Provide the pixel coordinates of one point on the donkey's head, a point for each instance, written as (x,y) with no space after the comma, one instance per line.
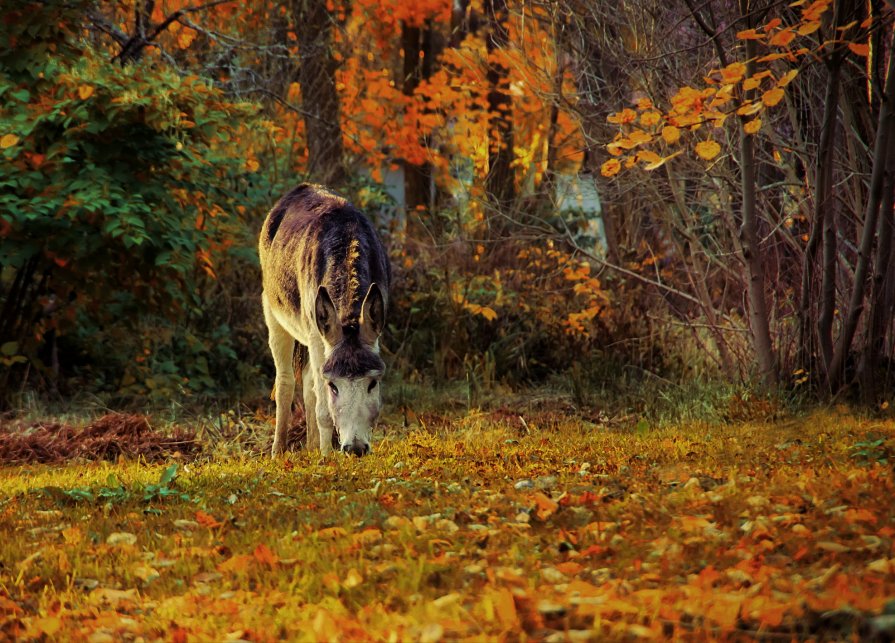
(352,368)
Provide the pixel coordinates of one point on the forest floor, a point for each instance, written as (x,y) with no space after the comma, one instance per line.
(482,526)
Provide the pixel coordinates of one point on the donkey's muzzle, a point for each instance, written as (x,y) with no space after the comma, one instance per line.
(357,448)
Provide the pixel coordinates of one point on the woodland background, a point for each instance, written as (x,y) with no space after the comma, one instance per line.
(743,153)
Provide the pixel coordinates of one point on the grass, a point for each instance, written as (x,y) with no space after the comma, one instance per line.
(466,526)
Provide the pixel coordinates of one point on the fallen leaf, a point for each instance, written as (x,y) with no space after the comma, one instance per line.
(121,538)
(545,506)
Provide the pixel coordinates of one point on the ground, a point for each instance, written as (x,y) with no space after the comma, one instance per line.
(482,526)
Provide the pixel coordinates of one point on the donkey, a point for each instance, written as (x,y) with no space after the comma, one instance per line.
(325,279)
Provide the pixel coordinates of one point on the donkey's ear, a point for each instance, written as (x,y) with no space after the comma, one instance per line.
(372,315)
(327,320)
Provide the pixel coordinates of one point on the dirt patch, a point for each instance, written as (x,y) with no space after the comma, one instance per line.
(107,438)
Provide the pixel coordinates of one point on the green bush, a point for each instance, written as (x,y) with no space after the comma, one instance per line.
(123,189)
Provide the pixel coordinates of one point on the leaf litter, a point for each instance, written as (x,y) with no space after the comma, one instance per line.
(699,532)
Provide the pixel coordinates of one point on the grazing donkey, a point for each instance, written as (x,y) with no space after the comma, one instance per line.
(326,279)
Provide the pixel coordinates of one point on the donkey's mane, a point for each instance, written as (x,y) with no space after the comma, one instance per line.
(352,358)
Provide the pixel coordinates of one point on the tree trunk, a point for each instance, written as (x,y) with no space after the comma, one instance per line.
(758,309)
(882,285)
(877,182)
(421,48)
(500,182)
(320,100)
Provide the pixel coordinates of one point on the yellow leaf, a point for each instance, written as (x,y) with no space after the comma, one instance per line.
(662,161)
(859,50)
(671,134)
(252,165)
(503,606)
(648,156)
(772,96)
(708,149)
(353,579)
(882,566)
(238,563)
(610,167)
(85,92)
(8,140)
(751,83)
(488,313)
(638,137)
(752,126)
(48,625)
(749,108)
(786,78)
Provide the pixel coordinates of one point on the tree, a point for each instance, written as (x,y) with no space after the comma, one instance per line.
(320,99)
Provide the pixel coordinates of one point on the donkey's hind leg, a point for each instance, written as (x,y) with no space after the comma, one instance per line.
(282,345)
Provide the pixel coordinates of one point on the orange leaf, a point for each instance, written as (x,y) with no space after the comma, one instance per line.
(368,536)
(85,92)
(546,506)
(773,57)
(752,126)
(625,116)
(860,515)
(186,38)
(207,520)
(859,49)
(331,533)
(671,134)
(782,38)
(751,83)
(733,73)
(8,140)
(569,568)
(750,34)
(773,24)
(725,609)
(708,149)
(610,167)
(772,96)
(809,27)
(651,117)
(648,156)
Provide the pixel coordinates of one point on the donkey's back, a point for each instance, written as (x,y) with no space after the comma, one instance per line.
(325,277)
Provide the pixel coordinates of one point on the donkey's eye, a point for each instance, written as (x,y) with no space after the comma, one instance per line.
(372,386)
(333,388)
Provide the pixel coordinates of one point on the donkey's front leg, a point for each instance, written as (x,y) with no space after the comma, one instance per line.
(282,345)
(325,425)
(312,437)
